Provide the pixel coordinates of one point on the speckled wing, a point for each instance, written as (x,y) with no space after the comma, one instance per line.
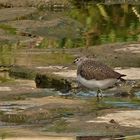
(90,69)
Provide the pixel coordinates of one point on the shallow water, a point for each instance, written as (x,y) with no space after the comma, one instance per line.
(11,85)
(99,23)
(9,108)
(36,99)
(86,25)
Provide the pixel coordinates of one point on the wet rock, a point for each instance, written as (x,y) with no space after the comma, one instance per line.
(137,85)
(88,138)
(48,80)
(112,121)
(98,137)
(63,80)
(42,78)
(123,94)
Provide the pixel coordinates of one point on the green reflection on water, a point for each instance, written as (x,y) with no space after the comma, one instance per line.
(108,23)
(77,27)
(102,24)
(85,25)
(34,57)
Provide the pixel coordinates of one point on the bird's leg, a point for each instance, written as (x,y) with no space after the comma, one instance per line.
(99,93)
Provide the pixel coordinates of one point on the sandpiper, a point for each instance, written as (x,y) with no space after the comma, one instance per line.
(96,75)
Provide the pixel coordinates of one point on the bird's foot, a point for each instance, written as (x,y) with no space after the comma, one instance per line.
(99,93)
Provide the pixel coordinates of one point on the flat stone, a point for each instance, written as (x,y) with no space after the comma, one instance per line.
(5,89)
(124,118)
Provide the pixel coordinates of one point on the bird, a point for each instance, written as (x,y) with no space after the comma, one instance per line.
(94,74)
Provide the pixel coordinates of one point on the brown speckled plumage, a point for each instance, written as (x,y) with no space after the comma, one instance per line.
(90,69)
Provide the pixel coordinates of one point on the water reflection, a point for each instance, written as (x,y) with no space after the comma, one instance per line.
(101,24)
(108,23)
(33,57)
(110,99)
(123,104)
(85,24)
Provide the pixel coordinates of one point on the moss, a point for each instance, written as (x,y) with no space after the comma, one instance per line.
(22,72)
(20,97)
(4,135)
(13,118)
(3,79)
(8,28)
(22,118)
(63,112)
(1,113)
(59,126)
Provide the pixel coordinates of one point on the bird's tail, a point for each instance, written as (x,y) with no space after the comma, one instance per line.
(122,80)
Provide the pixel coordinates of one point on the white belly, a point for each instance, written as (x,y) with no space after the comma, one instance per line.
(92,84)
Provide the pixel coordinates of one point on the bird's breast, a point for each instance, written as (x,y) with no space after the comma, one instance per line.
(93,83)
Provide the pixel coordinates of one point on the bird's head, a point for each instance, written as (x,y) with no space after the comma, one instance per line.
(79,60)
